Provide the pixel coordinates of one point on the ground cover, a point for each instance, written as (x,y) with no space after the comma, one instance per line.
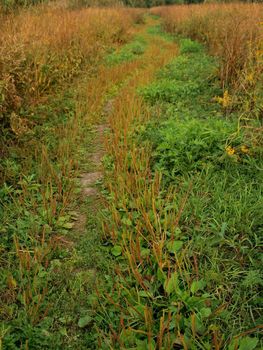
(168,255)
(47,133)
(185,194)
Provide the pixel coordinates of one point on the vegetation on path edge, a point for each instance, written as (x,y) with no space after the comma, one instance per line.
(185,198)
(176,262)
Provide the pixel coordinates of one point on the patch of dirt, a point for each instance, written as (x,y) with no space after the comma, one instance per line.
(101,128)
(90,191)
(108,107)
(80,223)
(97,156)
(88,179)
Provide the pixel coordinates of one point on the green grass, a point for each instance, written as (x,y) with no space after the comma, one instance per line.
(75,265)
(127,52)
(51,303)
(157,30)
(26,217)
(208,208)
(189,80)
(222,219)
(197,286)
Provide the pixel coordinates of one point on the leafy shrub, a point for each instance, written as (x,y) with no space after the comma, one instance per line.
(190,145)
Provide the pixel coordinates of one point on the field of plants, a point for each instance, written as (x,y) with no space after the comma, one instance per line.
(131,176)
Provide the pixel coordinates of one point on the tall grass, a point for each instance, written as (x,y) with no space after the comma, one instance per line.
(44,48)
(175,232)
(42,128)
(233,33)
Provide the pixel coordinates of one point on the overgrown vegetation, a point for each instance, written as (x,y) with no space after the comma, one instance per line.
(233,33)
(40,52)
(128,52)
(46,117)
(185,198)
(176,263)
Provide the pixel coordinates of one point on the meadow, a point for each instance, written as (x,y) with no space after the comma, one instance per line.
(163,109)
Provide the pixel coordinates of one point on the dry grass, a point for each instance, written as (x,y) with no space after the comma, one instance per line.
(44,47)
(132,182)
(41,51)
(139,223)
(231,31)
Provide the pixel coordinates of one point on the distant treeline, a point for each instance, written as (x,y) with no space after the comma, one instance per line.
(10,5)
(6,5)
(152,3)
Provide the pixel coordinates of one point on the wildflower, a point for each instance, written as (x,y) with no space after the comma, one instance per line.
(250,78)
(225,101)
(230,150)
(12,284)
(244,149)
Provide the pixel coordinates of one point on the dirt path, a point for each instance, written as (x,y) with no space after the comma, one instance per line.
(112,105)
(130,75)
(102,104)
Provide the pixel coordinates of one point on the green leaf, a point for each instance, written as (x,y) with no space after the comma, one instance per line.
(205,312)
(126,221)
(223,229)
(172,285)
(161,275)
(68,225)
(62,219)
(145,252)
(84,321)
(116,250)
(248,343)
(233,345)
(174,246)
(199,326)
(63,331)
(198,285)
(144,294)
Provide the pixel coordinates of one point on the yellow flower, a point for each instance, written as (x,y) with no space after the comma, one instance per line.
(244,149)
(12,284)
(230,150)
(225,101)
(250,77)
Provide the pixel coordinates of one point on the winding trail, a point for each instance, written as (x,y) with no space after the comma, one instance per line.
(127,76)
(112,103)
